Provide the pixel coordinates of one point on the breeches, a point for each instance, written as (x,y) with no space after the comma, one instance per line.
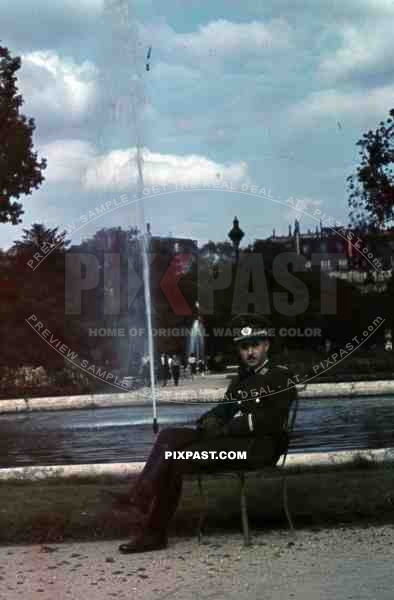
(166,473)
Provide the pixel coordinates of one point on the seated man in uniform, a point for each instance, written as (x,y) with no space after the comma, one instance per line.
(255,407)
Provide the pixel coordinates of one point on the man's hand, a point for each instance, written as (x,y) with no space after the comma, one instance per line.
(211,425)
(240,427)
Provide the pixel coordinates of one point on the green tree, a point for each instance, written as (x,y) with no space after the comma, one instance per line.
(25,292)
(20,170)
(371,188)
(39,236)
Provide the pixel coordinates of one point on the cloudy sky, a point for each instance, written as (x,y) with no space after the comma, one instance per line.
(272,94)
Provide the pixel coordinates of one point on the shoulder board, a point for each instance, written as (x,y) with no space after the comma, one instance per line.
(282,367)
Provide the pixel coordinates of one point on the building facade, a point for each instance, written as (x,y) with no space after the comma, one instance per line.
(350,254)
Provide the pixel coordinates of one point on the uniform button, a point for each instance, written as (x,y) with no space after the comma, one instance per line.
(239,402)
(257,400)
(238,392)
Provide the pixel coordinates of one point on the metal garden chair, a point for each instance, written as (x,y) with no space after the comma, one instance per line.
(241,472)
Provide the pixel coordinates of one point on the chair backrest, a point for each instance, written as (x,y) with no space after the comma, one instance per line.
(293,410)
(291,419)
(258,445)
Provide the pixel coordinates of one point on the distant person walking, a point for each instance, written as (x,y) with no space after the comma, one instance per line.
(192,365)
(145,370)
(175,369)
(164,369)
(185,364)
(169,362)
(201,367)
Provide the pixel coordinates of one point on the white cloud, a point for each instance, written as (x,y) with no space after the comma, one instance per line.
(57,87)
(355,106)
(329,11)
(68,160)
(117,170)
(41,24)
(223,38)
(217,39)
(365,51)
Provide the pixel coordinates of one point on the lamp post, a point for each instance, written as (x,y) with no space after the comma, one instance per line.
(236,234)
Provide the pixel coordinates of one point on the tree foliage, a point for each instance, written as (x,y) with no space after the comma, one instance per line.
(371,188)
(26,291)
(20,169)
(38,237)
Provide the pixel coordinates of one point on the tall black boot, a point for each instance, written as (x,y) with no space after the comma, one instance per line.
(146,542)
(166,502)
(155,533)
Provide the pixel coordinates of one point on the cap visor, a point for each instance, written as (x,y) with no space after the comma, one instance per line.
(245,338)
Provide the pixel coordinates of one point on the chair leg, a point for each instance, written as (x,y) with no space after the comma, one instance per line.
(286,505)
(203,508)
(244,511)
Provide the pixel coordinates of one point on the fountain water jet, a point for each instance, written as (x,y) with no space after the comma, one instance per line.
(136,104)
(196,342)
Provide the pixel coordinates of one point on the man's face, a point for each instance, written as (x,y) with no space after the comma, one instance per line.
(253,352)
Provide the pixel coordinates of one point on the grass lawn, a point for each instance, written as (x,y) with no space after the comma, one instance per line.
(59,510)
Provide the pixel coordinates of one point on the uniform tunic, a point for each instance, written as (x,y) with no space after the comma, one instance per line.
(256,405)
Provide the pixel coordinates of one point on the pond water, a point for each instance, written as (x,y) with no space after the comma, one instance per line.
(125,434)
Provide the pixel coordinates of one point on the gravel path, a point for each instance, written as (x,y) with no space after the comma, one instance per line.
(342,563)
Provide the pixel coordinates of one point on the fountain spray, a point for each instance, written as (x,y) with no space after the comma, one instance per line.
(137,97)
(145,243)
